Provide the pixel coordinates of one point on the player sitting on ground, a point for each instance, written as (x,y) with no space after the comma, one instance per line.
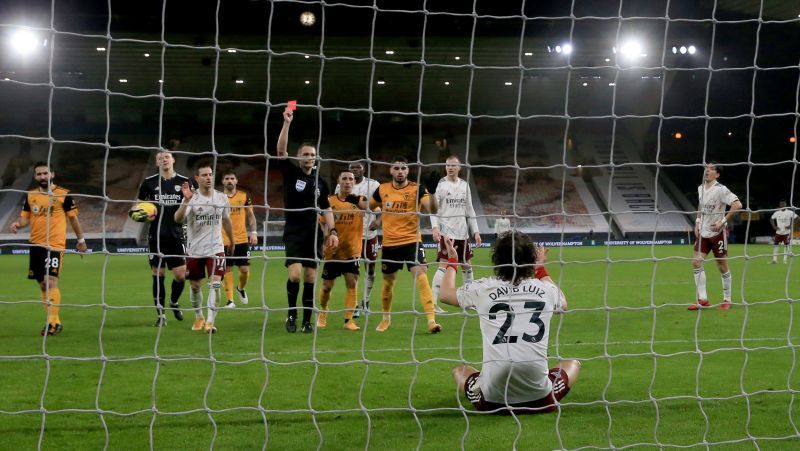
(241,209)
(207,214)
(348,212)
(515,310)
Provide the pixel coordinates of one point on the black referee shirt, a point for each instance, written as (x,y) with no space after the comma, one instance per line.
(301,190)
(167,195)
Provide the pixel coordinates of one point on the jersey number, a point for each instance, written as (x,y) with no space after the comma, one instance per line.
(51,262)
(536,306)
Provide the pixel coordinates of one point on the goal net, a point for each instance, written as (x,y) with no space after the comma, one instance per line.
(588,125)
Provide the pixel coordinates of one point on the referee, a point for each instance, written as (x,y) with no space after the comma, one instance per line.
(304,195)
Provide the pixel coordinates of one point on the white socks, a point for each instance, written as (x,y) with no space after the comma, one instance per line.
(700,282)
(437,284)
(196,297)
(726,286)
(213,294)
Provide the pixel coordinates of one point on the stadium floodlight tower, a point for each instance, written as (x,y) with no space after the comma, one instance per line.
(24,42)
(632,49)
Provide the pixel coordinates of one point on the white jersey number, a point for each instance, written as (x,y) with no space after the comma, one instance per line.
(502,338)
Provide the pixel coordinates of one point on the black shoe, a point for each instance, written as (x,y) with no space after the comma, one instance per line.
(307,328)
(356,313)
(176,310)
(52,329)
(291,325)
(161,321)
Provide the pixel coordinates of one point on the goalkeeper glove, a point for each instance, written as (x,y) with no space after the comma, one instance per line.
(138,215)
(432,182)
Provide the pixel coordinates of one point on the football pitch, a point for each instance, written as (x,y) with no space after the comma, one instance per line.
(653,372)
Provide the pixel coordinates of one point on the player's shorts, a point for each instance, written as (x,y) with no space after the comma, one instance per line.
(394,257)
(783,239)
(303,248)
(463,249)
(197,267)
(369,252)
(332,270)
(240,257)
(41,262)
(557,376)
(174,253)
(717,244)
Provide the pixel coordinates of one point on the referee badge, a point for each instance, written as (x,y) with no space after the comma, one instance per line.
(300,185)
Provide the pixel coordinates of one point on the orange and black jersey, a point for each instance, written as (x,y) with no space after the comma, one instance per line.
(48,216)
(241,205)
(349,223)
(399,210)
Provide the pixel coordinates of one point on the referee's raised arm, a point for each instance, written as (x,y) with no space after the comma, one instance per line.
(283,138)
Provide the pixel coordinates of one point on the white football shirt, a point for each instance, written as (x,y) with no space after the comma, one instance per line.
(366,188)
(515,322)
(456,215)
(783,219)
(204,224)
(712,206)
(501,225)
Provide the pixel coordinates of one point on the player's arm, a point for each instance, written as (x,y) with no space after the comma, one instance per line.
(24,217)
(472,220)
(76,227)
(448,292)
(429,202)
(735,206)
(773,222)
(435,231)
(697,221)
(227,229)
(283,137)
(330,229)
(251,221)
(184,208)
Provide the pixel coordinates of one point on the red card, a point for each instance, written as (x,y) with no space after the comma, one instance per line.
(292,104)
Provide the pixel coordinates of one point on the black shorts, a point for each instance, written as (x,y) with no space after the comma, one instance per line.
(173,250)
(42,262)
(394,257)
(240,257)
(303,248)
(332,270)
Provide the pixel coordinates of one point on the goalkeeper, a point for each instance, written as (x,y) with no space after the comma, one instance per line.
(165,236)
(515,309)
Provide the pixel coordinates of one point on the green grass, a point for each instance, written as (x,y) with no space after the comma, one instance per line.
(652,371)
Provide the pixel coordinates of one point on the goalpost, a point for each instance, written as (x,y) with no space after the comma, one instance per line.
(591,124)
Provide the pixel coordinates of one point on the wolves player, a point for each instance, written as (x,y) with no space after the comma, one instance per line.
(207,214)
(455,220)
(242,218)
(165,236)
(710,234)
(365,186)
(782,221)
(515,309)
(47,209)
(400,201)
(348,211)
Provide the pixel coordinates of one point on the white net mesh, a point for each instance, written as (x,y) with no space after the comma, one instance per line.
(589,122)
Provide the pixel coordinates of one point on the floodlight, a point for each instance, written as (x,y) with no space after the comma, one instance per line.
(558,49)
(683,50)
(692,49)
(508,83)
(631,49)
(674,49)
(24,42)
(567,48)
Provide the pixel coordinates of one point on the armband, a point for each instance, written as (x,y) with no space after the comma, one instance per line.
(541,272)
